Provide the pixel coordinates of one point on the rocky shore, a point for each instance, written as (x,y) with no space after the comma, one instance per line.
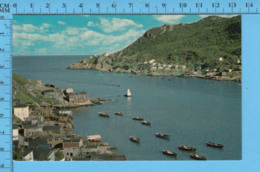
(157,70)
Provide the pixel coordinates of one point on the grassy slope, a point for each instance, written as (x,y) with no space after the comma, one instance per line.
(201,42)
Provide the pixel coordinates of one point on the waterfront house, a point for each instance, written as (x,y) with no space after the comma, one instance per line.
(94,138)
(65,113)
(80,97)
(223,73)
(53,94)
(22,112)
(69,90)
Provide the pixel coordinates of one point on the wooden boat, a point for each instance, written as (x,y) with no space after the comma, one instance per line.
(134,139)
(103,114)
(161,135)
(167,152)
(196,156)
(214,145)
(138,118)
(118,113)
(145,122)
(184,147)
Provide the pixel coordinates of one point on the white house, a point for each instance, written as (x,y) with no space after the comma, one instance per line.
(15,132)
(21,112)
(152,61)
(220,59)
(69,90)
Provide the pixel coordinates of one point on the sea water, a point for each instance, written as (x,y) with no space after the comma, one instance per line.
(191,110)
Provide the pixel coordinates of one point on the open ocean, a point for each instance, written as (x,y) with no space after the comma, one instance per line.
(191,110)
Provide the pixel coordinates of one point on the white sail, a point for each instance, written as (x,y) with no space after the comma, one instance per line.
(128,93)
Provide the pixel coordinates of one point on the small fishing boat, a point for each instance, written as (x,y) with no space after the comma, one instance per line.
(118,113)
(134,139)
(145,122)
(214,145)
(103,114)
(167,152)
(138,118)
(161,135)
(128,93)
(184,147)
(196,156)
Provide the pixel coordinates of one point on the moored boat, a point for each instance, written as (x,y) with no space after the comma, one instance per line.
(161,135)
(134,139)
(128,93)
(145,122)
(184,147)
(118,113)
(103,114)
(196,156)
(214,145)
(138,118)
(167,152)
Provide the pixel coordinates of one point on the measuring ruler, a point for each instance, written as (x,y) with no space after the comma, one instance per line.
(79,7)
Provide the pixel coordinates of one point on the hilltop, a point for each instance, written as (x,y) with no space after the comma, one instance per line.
(208,48)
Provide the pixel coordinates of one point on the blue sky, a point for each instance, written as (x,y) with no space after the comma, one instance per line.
(84,34)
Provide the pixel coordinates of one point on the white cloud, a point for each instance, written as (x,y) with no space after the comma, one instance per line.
(117,24)
(91,24)
(61,22)
(46,25)
(31,28)
(226,16)
(170,19)
(71,39)
(25,28)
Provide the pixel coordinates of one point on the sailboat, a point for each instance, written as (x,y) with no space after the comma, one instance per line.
(128,93)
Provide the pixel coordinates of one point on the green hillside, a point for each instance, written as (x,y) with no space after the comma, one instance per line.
(196,45)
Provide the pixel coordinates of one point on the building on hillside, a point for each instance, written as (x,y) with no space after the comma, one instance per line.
(28,155)
(80,97)
(40,142)
(69,90)
(220,59)
(71,153)
(32,131)
(53,94)
(72,143)
(15,132)
(55,141)
(151,61)
(43,154)
(52,129)
(22,112)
